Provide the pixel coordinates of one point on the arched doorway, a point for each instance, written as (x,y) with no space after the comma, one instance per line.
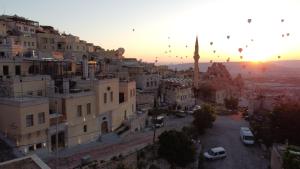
(104,127)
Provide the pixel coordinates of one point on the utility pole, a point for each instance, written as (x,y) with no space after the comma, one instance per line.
(155,118)
(56,137)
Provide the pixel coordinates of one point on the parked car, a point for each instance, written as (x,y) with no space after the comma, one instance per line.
(190,112)
(158,121)
(246,135)
(180,114)
(197,107)
(215,153)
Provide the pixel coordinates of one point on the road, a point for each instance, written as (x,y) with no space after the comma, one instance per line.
(127,144)
(225,133)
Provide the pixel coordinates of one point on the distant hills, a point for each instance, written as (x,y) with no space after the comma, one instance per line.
(271,68)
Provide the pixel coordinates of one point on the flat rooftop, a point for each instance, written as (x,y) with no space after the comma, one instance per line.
(30,162)
(23,101)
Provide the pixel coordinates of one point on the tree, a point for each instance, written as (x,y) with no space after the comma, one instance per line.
(261,126)
(153,166)
(190,132)
(176,148)
(204,118)
(285,122)
(291,158)
(231,103)
(121,166)
(205,91)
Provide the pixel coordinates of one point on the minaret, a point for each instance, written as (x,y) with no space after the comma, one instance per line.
(196,65)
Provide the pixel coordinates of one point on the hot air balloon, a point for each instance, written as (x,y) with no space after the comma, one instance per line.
(214,51)
(133,30)
(228,37)
(228,59)
(169,46)
(176,56)
(252,40)
(246,46)
(282,35)
(249,20)
(240,50)
(282,20)
(168,37)
(186,46)
(218,56)
(170,51)
(287,34)
(211,43)
(210,61)
(241,57)
(185,56)
(278,57)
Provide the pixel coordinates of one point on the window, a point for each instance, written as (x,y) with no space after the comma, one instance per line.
(121,97)
(30,93)
(32,43)
(111,96)
(39,92)
(41,117)
(88,108)
(38,146)
(105,98)
(24,43)
(29,120)
(5,70)
(84,128)
(18,70)
(31,148)
(79,110)
(147,84)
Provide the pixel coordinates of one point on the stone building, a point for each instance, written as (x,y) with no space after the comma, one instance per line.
(216,84)
(177,93)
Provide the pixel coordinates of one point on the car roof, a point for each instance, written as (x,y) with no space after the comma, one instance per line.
(217,149)
(246,131)
(245,128)
(160,117)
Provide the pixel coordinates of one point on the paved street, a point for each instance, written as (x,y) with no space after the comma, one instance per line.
(225,133)
(128,144)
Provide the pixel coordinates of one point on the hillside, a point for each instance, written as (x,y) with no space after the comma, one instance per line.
(273,68)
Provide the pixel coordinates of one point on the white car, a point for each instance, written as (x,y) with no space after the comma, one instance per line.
(215,153)
(197,107)
(190,111)
(246,136)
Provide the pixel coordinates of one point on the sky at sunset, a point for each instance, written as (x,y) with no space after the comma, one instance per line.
(166,29)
